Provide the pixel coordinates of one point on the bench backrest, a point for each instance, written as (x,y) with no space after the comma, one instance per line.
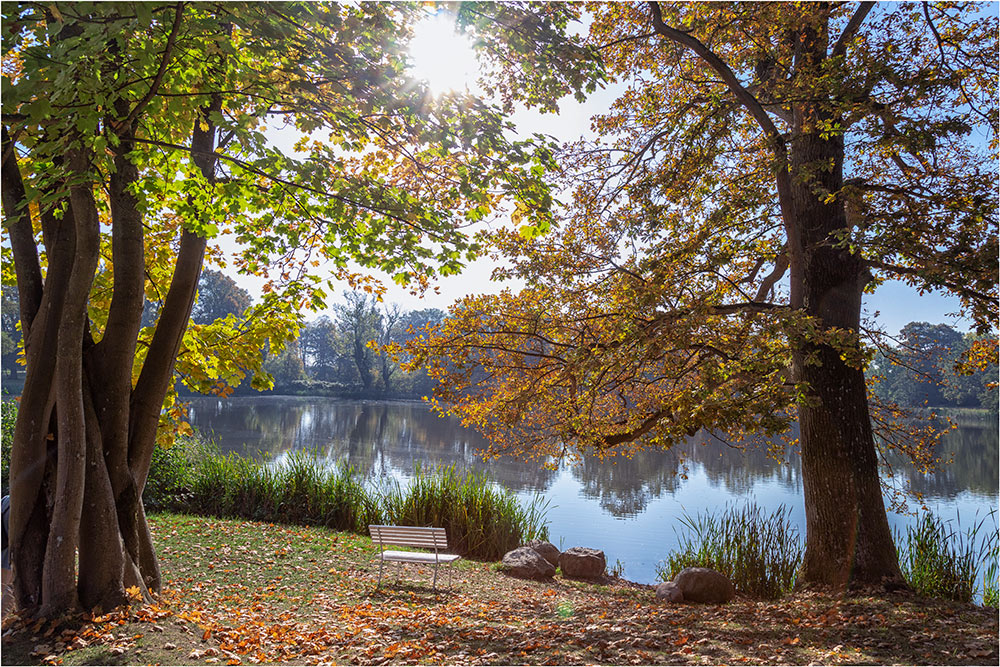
(410,536)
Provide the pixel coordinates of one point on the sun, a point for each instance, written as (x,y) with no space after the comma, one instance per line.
(441,56)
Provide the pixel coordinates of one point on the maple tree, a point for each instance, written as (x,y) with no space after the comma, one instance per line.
(135,136)
(765,165)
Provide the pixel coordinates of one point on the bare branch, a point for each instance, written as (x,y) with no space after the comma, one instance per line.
(955,287)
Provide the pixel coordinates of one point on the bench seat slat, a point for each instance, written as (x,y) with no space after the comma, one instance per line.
(418,557)
(423,537)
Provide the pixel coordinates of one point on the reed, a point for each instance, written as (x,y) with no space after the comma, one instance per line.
(483,520)
(942,561)
(759,552)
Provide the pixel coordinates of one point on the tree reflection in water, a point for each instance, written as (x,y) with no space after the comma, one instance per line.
(389,439)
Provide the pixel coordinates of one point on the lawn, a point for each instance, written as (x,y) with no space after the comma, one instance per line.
(239,592)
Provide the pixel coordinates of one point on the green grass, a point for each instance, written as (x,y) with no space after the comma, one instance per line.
(759,552)
(940,561)
(480,516)
(483,520)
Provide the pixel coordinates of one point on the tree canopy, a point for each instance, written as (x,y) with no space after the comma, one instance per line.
(766,164)
(135,136)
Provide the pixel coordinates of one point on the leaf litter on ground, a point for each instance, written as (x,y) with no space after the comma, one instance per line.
(239,592)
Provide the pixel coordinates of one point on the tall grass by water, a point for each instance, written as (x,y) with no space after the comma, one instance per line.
(483,520)
(480,517)
(942,561)
(759,552)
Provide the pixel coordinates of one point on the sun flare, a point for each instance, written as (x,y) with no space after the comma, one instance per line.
(442,57)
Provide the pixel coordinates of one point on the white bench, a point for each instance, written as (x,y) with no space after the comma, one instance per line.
(413,536)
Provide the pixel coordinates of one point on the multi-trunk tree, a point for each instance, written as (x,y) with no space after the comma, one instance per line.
(136,133)
(765,166)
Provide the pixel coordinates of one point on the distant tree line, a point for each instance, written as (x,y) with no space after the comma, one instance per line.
(341,355)
(337,356)
(919,370)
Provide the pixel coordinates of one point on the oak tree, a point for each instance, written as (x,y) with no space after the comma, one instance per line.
(764,166)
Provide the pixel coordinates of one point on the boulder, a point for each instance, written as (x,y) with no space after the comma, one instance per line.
(582,563)
(547,550)
(668,591)
(526,563)
(701,584)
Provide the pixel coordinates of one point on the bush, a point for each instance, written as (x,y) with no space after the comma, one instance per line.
(171,472)
(7,418)
(759,553)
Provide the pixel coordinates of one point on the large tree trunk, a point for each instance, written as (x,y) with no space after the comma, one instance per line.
(848,540)
(84,437)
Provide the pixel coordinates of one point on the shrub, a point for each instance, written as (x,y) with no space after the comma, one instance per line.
(8,417)
(171,472)
(760,553)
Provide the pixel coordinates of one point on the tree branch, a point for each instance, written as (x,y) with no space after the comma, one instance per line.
(775,139)
(851,29)
(155,85)
(955,287)
(780,266)
(749,102)
(22,237)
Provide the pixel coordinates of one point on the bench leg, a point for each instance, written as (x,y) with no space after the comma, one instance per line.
(435,585)
(381,564)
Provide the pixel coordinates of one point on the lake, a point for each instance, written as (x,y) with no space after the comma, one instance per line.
(630,508)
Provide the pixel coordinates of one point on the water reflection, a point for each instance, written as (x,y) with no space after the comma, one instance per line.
(627,506)
(392,438)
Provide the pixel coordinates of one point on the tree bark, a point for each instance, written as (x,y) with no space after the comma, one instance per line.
(33,456)
(848,541)
(22,241)
(59,590)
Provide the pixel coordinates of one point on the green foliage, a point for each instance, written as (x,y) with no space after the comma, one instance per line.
(218,296)
(942,562)
(480,517)
(760,553)
(7,419)
(171,471)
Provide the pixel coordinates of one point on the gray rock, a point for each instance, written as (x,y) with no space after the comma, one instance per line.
(582,563)
(669,592)
(526,563)
(547,550)
(700,584)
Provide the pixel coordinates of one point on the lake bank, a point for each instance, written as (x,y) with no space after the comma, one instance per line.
(243,592)
(628,507)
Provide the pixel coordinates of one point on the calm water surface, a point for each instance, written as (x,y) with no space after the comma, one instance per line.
(627,507)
